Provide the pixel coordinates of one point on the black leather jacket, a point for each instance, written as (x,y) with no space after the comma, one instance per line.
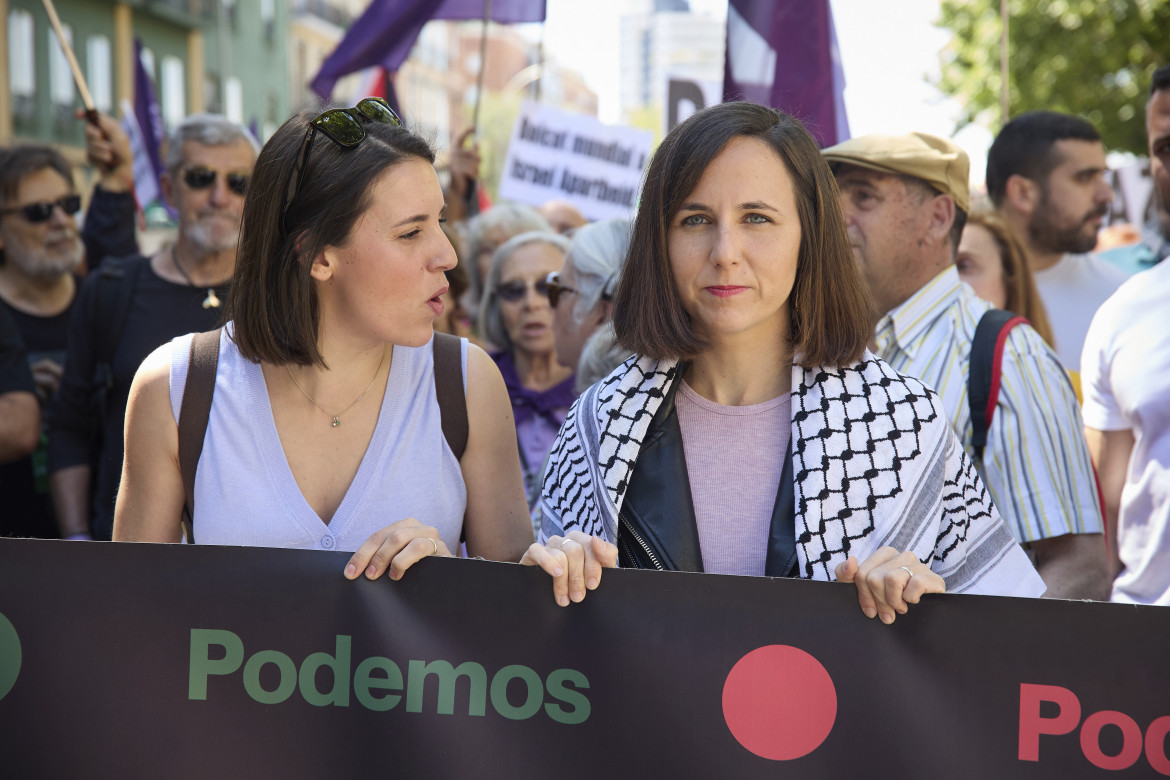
(656,524)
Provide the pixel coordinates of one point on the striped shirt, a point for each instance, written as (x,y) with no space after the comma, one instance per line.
(1036,463)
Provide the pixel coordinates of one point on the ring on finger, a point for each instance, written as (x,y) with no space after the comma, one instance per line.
(434,543)
(907,570)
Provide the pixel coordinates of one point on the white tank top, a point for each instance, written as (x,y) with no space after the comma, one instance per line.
(245,492)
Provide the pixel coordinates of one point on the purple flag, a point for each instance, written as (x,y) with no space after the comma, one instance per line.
(144,126)
(783,53)
(386,32)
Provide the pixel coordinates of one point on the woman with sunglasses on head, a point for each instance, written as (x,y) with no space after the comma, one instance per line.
(325,428)
(752,433)
(515,314)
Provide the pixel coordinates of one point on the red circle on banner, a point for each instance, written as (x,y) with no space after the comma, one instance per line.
(779,702)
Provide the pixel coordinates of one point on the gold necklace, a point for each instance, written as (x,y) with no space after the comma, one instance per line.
(212,300)
(336,422)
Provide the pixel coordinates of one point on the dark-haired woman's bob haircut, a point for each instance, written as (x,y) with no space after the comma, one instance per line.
(273,301)
(829,307)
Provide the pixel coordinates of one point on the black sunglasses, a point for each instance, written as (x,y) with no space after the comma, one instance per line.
(342,126)
(43,212)
(555,288)
(200,178)
(516,290)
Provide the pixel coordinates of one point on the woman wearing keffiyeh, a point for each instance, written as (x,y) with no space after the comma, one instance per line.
(752,432)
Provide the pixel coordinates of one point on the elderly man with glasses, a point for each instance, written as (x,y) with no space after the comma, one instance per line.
(131,305)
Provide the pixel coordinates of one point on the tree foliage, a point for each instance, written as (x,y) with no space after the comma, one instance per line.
(1093,58)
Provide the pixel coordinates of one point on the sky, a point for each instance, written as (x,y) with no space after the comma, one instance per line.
(887,58)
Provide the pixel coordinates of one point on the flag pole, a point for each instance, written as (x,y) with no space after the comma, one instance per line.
(487,13)
(90,110)
(1003,62)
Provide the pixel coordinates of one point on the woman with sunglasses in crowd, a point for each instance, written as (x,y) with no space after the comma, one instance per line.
(516,315)
(325,429)
(752,433)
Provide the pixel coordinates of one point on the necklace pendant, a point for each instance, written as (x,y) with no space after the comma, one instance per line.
(211,301)
(336,422)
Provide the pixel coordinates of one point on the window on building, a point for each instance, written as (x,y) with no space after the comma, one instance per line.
(22,64)
(60,79)
(234,100)
(98,72)
(174,97)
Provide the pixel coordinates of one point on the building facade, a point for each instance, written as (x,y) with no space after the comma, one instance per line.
(227,56)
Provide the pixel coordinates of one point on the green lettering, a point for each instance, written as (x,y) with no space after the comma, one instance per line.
(577,700)
(283,689)
(338,664)
(201,665)
(476,678)
(532,701)
(363,681)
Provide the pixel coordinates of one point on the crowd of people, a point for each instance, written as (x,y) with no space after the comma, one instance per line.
(790,362)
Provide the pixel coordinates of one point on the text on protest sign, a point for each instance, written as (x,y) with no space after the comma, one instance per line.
(554,155)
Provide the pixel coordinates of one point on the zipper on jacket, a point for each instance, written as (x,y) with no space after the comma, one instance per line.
(641,542)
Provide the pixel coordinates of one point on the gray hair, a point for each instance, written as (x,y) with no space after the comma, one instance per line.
(512,218)
(598,253)
(206,129)
(599,357)
(491,321)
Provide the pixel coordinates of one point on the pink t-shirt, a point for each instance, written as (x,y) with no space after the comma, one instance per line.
(735,455)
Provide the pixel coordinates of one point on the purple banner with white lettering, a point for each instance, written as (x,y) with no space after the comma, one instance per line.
(784,54)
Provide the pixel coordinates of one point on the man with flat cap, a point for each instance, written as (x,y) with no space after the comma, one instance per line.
(905,200)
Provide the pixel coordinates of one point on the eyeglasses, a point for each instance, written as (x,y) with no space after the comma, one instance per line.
(43,212)
(342,126)
(516,290)
(556,289)
(200,178)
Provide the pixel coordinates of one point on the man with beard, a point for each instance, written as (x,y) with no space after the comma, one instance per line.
(905,200)
(1126,369)
(40,251)
(1046,175)
(132,305)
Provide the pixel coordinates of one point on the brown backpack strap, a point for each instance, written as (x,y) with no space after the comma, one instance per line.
(449,389)
(193,415)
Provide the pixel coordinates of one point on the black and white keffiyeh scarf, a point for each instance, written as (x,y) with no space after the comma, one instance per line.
(874,461)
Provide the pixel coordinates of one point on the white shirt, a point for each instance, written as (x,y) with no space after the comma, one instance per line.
(1072,291)
(1126,380)
(1036,463)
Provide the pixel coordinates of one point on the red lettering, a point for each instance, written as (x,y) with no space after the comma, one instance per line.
(1032,725)
(1156,745)
(1131,740)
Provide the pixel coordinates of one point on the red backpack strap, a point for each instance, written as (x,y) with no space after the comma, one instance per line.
(194,413)
(985,370)
(449,390)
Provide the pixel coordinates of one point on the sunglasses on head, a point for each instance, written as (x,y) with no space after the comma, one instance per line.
(344,127)
(43,212)
(200,178)
(516,290)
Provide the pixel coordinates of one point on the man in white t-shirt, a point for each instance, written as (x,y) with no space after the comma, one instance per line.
(1045,174)
(1126,372)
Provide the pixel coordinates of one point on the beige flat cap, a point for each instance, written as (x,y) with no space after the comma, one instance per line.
(936,161)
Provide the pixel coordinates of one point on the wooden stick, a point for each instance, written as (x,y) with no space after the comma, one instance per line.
(79,79)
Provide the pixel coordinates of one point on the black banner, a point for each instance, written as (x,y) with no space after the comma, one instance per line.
(123,660)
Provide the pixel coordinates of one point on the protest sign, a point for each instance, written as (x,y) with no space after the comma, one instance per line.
(555,155)
(685,96)
(139,660)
